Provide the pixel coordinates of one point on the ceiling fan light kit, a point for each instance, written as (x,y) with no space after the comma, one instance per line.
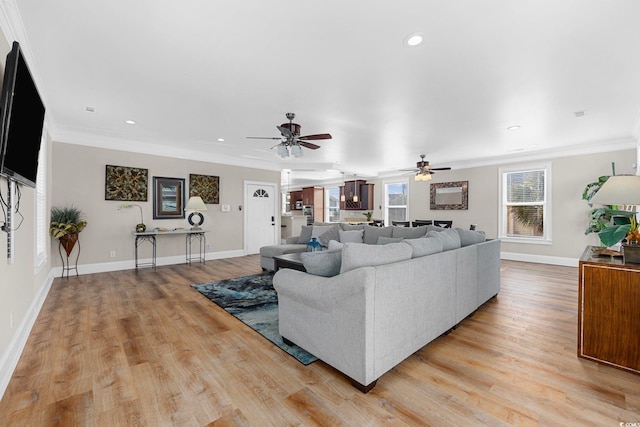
(423,170)
(291,142)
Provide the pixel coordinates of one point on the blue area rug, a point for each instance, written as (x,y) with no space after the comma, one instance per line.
(253,300)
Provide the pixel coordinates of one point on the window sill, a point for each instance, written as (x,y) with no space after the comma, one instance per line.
(526,240)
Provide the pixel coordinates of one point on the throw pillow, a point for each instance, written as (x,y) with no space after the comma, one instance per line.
(470,237)
(386,240)
(305,234)
(352,236)
(372,233)
(450,238)
(318,230)
(326,263)
(409,232)
(334,245)
(330,234)
(425,246)
(355,255)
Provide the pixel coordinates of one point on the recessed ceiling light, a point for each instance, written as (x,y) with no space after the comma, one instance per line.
(579,113)
(413,40)
(130,122)
(90,109)
(220,139)
(513,127)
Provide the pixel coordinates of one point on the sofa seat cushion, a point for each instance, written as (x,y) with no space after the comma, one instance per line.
(275,250)
(450,238)
(356,255)
(409,232)
(325,263)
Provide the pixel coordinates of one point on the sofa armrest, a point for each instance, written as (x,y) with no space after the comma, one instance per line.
(323,293)
(292,239)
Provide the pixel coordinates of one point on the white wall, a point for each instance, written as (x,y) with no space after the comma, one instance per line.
(570,175)
(79,180)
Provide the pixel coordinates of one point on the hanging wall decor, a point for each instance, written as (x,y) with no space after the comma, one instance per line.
(450,195)
(206,187)
(125,183)
(168,198)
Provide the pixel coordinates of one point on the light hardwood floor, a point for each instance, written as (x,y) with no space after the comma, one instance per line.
(144,348)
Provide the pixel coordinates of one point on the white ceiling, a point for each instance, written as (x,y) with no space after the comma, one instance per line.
(193,71)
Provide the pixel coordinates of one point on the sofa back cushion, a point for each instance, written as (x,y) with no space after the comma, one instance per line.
(349,227)
(425,246)
(386,240)
(372,233)
(355,255)
(352,236)
(470,237)
(450,238)
(324,263)
(409,232)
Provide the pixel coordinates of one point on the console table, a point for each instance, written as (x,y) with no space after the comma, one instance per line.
(609,311)
(190,237)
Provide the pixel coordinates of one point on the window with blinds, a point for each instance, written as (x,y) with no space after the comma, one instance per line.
(396,202)
(524,204)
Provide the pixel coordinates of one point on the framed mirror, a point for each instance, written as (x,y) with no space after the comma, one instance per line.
(450,195)
(168,198)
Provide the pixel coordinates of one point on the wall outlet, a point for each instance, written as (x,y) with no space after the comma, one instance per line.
(208,246)
(112,254)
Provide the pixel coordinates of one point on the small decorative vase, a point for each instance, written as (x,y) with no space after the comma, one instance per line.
(314,245)
(140,228)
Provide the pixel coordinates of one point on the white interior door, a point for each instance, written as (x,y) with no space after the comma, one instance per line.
(261,220)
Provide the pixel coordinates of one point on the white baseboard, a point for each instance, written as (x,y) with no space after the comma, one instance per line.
(540,259)
(130,264)
(11,356)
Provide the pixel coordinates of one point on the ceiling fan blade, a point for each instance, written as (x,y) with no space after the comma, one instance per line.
(261,137)
(440,169)
(309,145)
(285,131)
(315,137)
(409,170)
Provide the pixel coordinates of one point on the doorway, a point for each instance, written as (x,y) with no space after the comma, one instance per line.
(261,219)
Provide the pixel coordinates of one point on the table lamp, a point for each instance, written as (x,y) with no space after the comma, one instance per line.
(195,205)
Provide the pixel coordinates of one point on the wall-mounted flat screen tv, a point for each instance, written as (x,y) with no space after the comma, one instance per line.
(22,121)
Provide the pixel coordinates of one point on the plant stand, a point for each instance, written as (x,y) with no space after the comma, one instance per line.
(68,242)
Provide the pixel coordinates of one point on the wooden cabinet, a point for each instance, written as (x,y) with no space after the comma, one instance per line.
(609,311)
(364,193)
(295,196)
(314,196)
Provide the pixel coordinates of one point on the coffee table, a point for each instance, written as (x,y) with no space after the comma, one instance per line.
(291,261)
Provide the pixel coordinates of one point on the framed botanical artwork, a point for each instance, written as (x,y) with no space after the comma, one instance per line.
(450,195)
(125,183)
(205,186)
(168,198)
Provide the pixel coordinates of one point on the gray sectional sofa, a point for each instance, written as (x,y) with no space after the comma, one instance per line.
(387,301)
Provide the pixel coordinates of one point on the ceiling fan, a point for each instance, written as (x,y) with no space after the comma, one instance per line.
(291,141)
(423,170)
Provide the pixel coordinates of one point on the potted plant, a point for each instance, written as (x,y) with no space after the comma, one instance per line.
(65,225)
(368,215)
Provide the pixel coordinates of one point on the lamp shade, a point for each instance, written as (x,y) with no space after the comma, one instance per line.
(195,204)
(619,190)
(422,177)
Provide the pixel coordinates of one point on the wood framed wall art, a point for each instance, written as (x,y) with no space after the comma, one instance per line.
(450,195)
(168,198)
(126,183)
(205,186)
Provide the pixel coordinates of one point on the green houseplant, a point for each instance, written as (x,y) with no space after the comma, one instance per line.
(66,223)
